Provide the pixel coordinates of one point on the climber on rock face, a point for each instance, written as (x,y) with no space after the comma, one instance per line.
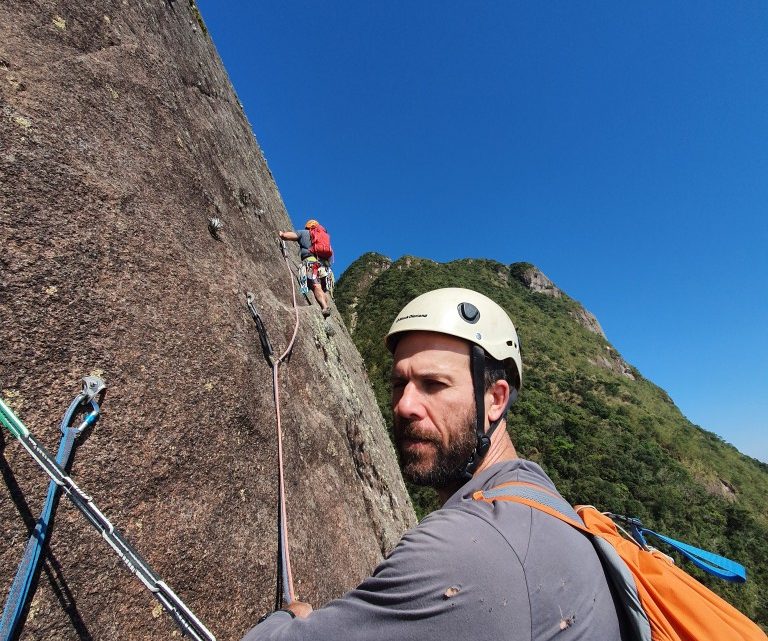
(473,569)
(315,252)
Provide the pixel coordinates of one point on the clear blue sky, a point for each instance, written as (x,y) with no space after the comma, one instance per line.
(620,147)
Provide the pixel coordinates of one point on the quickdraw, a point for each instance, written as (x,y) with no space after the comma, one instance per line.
(24,583)
(188,623)
(303,284)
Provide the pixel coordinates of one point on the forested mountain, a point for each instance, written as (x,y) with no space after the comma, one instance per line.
(605,434)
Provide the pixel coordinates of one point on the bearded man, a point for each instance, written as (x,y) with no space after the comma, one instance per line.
(474,569)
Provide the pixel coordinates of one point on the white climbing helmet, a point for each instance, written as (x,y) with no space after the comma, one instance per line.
(465,314)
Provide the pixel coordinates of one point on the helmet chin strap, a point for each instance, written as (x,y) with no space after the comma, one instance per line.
(477,365)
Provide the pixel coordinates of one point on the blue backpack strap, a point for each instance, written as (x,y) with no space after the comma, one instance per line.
(710,562)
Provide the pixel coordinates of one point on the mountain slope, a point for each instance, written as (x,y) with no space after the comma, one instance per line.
(606,435)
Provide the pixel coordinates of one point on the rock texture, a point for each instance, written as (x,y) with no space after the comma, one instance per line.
(120,136)
(535,280)
(613,362)
(588,320)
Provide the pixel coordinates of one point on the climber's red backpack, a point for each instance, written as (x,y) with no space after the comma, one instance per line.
(321,242)
(661,601)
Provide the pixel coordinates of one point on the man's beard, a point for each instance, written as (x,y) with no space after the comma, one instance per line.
(442,466)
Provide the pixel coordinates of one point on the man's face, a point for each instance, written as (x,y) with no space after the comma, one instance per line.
(433,407)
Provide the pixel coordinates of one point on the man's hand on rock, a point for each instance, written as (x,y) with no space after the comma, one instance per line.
(300,609)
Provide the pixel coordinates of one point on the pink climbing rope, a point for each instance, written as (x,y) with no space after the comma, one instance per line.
(288,589)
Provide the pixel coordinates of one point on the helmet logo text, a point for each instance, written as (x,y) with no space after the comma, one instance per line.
(411,316)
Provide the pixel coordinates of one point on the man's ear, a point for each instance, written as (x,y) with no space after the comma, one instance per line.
(497,396)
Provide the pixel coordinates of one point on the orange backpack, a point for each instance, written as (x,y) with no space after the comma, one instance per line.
(661,601)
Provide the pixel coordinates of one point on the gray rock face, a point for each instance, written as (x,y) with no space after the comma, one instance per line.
(589,320)
(613,362)
(120,137)
(536,281)
(376,266)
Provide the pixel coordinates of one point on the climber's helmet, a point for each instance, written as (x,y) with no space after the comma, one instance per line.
(475,318)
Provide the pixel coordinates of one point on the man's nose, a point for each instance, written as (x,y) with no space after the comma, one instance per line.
(409,404)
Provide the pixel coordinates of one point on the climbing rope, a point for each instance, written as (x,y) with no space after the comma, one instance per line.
(284,593)
(23,586)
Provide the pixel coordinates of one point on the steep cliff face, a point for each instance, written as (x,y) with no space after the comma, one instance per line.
(121,136)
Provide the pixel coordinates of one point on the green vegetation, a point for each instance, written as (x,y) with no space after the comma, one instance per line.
(608,438)
(198,17)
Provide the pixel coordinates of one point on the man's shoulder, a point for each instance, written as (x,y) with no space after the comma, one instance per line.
(471,534)
(480,532)
(452,545)
(518,469)
(552,553)
(522,528)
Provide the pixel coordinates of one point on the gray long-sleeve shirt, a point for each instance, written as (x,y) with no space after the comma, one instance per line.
(305,243)
(472,571)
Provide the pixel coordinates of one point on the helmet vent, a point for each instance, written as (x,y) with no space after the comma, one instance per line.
(469,312)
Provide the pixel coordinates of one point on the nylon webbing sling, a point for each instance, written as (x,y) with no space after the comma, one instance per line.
(714,564)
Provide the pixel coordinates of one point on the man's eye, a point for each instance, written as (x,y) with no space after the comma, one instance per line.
(432,384)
